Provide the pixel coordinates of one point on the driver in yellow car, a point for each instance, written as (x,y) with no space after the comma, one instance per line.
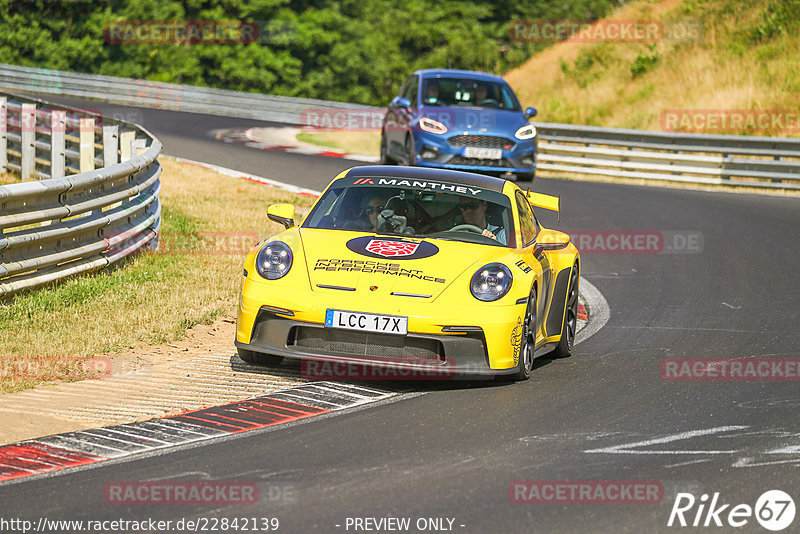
(474,212)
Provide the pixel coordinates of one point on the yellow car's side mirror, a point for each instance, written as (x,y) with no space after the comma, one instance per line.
(282,214)
(550,240)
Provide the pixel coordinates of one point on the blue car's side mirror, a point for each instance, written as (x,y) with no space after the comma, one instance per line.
(403,102)
(530,112)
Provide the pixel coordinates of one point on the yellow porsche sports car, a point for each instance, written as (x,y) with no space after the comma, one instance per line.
(413,268)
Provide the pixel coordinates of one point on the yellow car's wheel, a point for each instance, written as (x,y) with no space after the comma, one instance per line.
(570,325)
(259,358)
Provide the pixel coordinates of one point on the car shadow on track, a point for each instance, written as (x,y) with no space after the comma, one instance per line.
(294,369)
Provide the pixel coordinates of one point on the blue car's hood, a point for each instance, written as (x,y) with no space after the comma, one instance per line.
(485,121)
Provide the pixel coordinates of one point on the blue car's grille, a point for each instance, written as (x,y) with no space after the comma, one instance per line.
(483,141)
(478,162)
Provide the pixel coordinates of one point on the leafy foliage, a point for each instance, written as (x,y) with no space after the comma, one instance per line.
(644,62)
(349,50)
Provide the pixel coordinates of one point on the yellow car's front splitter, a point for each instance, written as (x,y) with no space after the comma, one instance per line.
(465,338)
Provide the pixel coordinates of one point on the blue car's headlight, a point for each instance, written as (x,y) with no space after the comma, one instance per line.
(491,282)
(526,132)
(432,126)
(274,260)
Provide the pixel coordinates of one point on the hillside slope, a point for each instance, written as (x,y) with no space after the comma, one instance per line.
(745,59)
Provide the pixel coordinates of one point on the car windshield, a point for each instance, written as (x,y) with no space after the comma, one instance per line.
(449,212)
(468,92)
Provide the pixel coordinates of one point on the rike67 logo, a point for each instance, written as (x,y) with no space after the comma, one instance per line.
(774,510)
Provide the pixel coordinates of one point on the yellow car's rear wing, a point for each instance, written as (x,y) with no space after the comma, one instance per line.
(540,200)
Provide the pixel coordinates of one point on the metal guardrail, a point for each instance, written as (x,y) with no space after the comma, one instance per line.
(738,160)
(765,162)
(75,218)
(162,95)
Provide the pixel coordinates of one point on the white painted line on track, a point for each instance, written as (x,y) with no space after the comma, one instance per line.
(626,448)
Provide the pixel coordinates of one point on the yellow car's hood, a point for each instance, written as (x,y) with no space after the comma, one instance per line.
(382,265)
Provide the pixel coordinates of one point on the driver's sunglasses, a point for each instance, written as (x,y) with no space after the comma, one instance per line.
(469,205)
(369,210)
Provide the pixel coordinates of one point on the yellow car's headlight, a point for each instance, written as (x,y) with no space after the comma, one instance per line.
(526,132)
(274,260)
(491,282)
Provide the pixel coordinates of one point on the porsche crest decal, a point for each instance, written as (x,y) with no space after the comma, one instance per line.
(394,248)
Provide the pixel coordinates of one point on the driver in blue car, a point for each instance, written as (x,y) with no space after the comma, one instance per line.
(432,92)
(474,212)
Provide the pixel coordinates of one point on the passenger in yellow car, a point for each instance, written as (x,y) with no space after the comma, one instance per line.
(374,206)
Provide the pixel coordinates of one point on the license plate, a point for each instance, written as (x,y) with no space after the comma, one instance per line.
(482,153)
(367,322)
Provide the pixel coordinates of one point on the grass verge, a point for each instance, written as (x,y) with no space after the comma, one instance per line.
(8,178)
(361,143)
(208,223)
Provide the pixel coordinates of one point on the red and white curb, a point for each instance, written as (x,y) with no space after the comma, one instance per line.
(250,177)
(71,449)
(283,139)
(84,447)
(593,306)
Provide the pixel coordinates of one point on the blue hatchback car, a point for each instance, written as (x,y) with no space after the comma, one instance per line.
(459,119)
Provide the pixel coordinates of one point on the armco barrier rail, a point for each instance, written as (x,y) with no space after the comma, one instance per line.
(765,162)
(75,218)
(162,95)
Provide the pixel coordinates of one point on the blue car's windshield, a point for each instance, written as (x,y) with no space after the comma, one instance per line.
(468,92)
(469,215)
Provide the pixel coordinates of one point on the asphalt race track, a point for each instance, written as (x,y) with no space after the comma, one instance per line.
(606,414)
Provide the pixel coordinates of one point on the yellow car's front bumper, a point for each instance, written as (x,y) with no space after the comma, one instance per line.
(471,338)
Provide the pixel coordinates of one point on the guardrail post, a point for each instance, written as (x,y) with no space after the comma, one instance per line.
(110,144)
(58,128)
(777,180)
(28,140)
(126,145)
(138,146)
(725,159)
(87,144)
(3,135)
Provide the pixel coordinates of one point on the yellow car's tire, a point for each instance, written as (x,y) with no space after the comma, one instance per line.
(570,324)
(259,358)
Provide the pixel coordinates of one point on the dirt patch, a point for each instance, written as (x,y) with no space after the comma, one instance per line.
(200,370)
